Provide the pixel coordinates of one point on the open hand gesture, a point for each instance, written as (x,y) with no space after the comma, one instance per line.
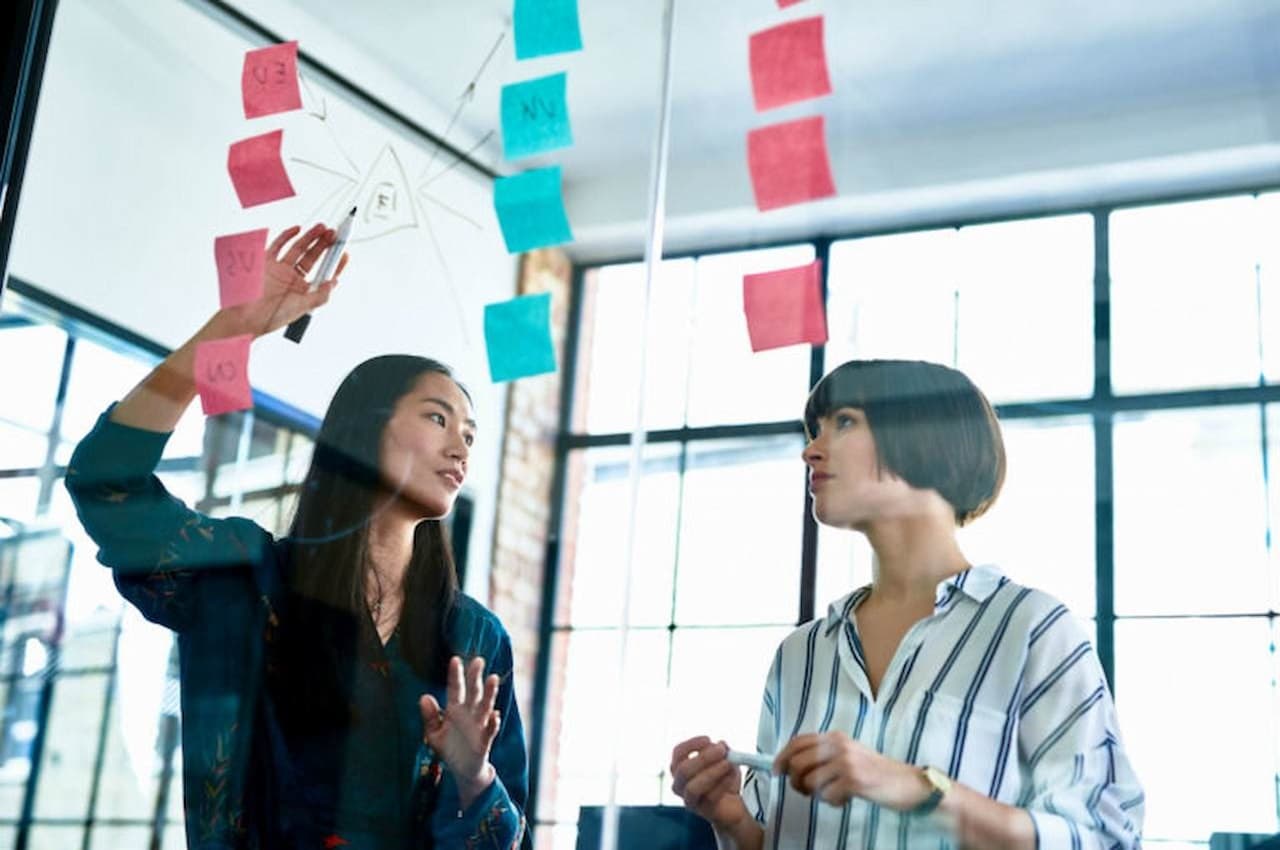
(464,730)
(286,294)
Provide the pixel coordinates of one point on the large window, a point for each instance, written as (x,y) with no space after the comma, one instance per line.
(89,736)
(1131,354)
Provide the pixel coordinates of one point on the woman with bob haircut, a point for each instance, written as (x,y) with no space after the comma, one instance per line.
(942,704)
(338,690)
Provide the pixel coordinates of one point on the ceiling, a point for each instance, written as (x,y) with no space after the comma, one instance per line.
(940,108)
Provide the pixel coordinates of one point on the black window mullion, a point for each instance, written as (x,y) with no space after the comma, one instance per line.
(1104,460)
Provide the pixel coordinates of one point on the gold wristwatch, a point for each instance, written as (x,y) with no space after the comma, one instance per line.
(941,784)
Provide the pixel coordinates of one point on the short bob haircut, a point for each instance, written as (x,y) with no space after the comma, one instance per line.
(932,427)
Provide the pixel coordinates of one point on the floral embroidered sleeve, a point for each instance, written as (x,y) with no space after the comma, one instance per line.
(495,820)
(154,543)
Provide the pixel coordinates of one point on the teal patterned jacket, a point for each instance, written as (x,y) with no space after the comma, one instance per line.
(217,584)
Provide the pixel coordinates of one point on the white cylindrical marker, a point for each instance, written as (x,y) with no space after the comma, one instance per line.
(758,761)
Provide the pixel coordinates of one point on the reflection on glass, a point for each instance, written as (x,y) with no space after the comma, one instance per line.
(610,347)
(596,520)
(1010,304)
(1184,301)
(1190,515)
(1197,703)
(728,383)
(98,377)
(1040,531)
(740,530)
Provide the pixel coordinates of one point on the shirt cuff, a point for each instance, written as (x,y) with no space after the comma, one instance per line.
(490,820)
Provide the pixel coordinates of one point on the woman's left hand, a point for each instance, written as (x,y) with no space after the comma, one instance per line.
(464,730)
(835,768)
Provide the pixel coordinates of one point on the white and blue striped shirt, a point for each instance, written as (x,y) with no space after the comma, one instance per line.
(1000,689)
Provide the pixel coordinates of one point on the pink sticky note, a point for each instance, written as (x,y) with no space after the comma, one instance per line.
(241,263)
(788,163)
(785,307)
(222,375)
(257,171)
(782,4)
(789,64)
(269,82)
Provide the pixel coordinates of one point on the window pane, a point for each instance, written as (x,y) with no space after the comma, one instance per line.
(70,747)
(1190,512)
(1269,282)
(597,514)
(740,529)
(611,343)
(1027,287)
(893,297)
(1273,500)
(844,565)
(30,392)
(585,718)
(56,837)
(1184,301)
(119,837)
(728,383)
(21,448)
(968,298)
(717,684)
(99,376)
(555,837)
(1209,686)
(1040,531)
(18,498)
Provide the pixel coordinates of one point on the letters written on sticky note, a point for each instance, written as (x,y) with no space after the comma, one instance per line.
(789,64)
(222,375)
(241,264)
(531,210)
(256,169)
(517,335)
(535,117)
(545,27)
(785,307)
(269,82)
(788,163)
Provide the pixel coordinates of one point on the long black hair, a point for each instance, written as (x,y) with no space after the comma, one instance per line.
(328,541)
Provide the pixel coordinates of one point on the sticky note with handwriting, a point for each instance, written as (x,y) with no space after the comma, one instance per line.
(241,260)
(269,81)
(535,117)
(222,375)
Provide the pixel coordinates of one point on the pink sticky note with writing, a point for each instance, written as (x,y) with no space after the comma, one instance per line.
(269,82)
(785,307)
(788,163)
(241,259)
(257,171)
(222,375)
(789,64)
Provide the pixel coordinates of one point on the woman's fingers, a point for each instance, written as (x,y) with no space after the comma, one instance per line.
(273,250)
(490,697)
(455,684)
(308,259)
(302,243)
(432,716)
(707,780)
(475,690)
(681,752)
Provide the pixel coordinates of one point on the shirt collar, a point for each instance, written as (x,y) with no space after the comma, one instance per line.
(978,583)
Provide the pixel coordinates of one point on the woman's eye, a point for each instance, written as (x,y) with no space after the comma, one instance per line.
(469,439)
(436,418)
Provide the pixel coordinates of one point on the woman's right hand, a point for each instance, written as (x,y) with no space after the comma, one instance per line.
(285,292)
(708,783)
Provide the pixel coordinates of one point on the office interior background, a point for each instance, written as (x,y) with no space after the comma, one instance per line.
(1078,204)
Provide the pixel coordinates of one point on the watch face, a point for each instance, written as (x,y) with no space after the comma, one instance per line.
(938,779)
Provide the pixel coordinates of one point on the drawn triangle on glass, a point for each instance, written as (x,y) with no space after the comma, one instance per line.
(384,200)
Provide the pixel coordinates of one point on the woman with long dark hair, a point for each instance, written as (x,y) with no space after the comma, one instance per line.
(338,691)
(943,704)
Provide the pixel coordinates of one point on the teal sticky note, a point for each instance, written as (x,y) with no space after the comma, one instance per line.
(517,335)
(544,27)
(531,210)
(535,117)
